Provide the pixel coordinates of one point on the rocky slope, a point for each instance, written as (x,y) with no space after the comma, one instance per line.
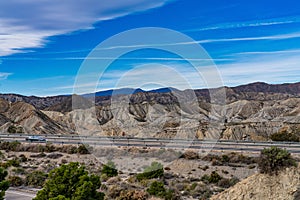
(284,186)
(23,117)
(253,111)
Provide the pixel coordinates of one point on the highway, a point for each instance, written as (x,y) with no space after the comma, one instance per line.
(219,145)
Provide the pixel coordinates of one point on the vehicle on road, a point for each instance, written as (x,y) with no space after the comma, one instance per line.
(36,139)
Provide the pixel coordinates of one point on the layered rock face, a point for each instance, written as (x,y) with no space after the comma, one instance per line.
(249,112)
(20,117)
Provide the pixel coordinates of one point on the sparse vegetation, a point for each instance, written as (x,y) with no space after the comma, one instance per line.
(29,168)
(83,149)
(14,129)
(109,169)
(15,181)
(158,189)
(43,148)
(156,170)
(274,159)
(229,159)
(132,195)
(214,177)
(227,183)
(36,179)
(285,136)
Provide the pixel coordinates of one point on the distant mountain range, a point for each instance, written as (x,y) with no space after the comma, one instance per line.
(252,111)
(248,91)
(127,91)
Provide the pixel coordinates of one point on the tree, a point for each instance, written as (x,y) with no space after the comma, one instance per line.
(4,184)
(70,182)
(274,159)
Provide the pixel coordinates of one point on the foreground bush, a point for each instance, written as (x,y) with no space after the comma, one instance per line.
(156,170)
(4,185)
(70,182)
(274,159)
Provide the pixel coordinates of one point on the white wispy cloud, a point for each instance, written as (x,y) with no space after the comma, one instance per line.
(28,24)
(14,43)
(238,39)
(267,68)
(205,41)
(257,23)
(4,75)
(281,52)
(146,76)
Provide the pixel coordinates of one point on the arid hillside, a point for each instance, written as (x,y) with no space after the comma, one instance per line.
(248,112)
(284,186)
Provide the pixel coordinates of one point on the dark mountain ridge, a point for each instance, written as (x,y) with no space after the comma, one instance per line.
(252,91)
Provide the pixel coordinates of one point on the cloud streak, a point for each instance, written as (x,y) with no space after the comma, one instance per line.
(257,23)
(4,75)
(15,43)
(28,24)
(267,68)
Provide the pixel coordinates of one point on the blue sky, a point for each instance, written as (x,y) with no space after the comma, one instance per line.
(43,43)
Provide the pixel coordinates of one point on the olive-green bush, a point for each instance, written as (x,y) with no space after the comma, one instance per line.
(274,159)
(155,170)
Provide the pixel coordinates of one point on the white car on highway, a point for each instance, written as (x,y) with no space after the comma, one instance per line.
(36,139)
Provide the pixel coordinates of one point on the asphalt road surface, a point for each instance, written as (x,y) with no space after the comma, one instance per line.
(17,195)
(223,145)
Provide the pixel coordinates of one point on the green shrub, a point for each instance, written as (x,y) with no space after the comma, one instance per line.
(284,136)
(158,189)
(49,148)
(227,183)
(109,169)
(14,162)
(14,129)
(4,184)
(19,171)
(82,149)
(225,158)
(69,149)
(214,177)
(10,146)
(36,179)
(15,181)
(274,159)
(156,170)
